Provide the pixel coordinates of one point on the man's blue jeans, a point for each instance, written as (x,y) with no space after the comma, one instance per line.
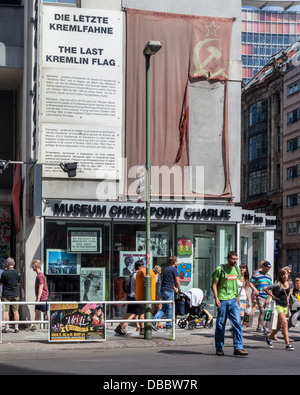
(166,308)
(229,309)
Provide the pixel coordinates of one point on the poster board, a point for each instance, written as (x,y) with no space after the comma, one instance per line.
(159,243)
(77,322)
(127,262)
(60,262)
(84,240)
(92,283)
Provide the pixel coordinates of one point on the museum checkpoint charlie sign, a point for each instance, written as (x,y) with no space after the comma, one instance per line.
(159,212)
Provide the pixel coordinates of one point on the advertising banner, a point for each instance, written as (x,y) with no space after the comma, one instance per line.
(77,322)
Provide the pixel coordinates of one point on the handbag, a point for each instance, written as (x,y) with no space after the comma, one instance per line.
(248,318)
(270,317)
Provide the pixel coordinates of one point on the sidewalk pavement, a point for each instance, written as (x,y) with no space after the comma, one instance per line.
(38,341)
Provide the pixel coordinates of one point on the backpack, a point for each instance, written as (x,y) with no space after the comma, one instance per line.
(127,284)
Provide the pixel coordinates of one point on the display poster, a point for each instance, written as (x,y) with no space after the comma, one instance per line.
(159,243)
(184,246)
(127,262)
(185,271)
(185,256)
(92,283)
(81,91)
(61,262)
(77,322)
(85,240)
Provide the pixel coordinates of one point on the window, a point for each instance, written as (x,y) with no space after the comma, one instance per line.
(294,262)
(293,144)
(258,182)
(258,112)
(293,116)
(293,200)
(258,147)
(293,172)
(66,269)
(293,88)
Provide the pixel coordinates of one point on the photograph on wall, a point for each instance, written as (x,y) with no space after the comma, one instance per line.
(85,240)
(92,284)
(184,246)
(159,243)
(184,271)
(127,262)
(61,262)
(77,322)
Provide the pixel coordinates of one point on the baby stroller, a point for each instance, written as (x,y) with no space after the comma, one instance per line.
(295,315)
(191,304)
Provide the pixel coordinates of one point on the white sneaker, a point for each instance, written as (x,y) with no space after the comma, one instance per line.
(289,348)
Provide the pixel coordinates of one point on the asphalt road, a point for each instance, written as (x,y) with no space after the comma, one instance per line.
(158,362)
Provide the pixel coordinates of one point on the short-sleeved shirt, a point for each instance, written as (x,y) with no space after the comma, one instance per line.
(168,279)
(260,280)
(10,279)
(41,279)
(280,293)
(228,288)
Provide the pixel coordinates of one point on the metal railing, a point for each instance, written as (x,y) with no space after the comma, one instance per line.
(104,303)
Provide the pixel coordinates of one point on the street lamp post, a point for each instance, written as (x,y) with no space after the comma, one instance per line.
(151,48)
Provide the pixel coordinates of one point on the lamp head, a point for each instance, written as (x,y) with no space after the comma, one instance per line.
(151,48)
(69,168)
(3,165)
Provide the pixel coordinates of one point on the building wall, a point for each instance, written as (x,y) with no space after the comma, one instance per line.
(264,33)
(291,180)
(262,151)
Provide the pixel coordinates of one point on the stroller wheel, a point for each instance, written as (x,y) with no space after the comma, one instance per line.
(182,323)
(192,325)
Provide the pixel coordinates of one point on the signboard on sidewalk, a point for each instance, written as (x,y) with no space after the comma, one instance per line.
(77,322)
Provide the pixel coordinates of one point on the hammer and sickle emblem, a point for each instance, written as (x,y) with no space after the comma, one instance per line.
(214,53)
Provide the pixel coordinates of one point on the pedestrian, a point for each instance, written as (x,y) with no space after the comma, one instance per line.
(296,291)
(169,285)
(225,290)
(244,284)
(10,280)
(254,292)
(41,293)
(133,310)
(281,292)
(260,279)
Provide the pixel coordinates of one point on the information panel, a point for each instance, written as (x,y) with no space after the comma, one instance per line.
(81,91)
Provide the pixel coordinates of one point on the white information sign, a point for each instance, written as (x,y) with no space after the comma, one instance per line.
(81,92)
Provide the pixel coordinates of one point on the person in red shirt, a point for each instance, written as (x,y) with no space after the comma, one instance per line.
(41,292)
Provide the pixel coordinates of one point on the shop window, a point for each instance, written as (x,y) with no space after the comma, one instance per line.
(77,260)
(129,245)
(294,262)
(208,247)
(258,249)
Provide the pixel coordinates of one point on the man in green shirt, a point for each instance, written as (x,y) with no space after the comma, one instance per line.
(225,290)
